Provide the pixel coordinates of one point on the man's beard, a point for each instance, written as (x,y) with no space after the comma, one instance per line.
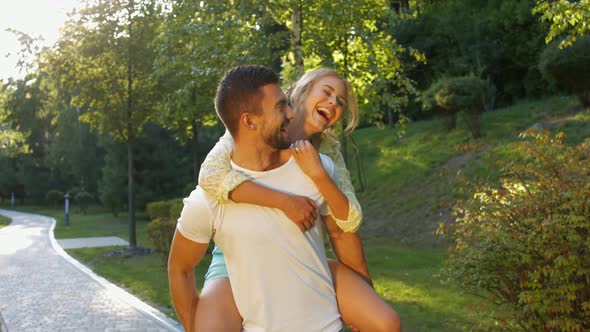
(276,139)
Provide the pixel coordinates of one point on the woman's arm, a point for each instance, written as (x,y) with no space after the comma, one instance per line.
(223,183)
(216,176)
(338,191)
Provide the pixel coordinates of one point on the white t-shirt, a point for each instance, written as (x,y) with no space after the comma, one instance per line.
(279,275)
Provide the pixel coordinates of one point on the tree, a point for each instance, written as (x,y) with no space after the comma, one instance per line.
(569,19)
(105,58)
(199,41)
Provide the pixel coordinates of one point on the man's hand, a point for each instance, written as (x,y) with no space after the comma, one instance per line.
(301,210)
(309,160)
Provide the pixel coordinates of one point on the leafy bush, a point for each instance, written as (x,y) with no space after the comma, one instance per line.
(176,206)
(161,232)
(158,210)
(466,94)
(525,243)
(83,199)
(569,67)
(54,197)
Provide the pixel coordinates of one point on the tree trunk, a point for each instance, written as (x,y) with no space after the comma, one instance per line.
(296,38)
(130,198)
(196,151)
(130,135)
(390,117)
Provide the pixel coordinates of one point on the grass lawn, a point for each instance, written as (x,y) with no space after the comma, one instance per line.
(4,221)
(405,277)
(410,179)
(96,222)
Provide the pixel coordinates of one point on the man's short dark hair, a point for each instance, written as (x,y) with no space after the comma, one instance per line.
(239,92)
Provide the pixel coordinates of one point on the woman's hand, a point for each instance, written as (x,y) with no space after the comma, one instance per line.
(308,159)
(301,210)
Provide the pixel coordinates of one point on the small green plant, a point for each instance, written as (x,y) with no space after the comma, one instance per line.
(54,197)
(467,95)
(569,67)
(525,242)
(161,232)
(158,210)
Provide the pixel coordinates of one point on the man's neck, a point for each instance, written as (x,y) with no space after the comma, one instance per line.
(258,156)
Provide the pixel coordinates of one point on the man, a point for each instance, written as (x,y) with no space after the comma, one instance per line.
(279,276)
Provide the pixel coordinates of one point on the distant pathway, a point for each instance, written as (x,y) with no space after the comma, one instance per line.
(44,289)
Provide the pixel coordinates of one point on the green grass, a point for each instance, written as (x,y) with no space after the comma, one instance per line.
(96,222)
(4,221)
(410,179)
(405,277)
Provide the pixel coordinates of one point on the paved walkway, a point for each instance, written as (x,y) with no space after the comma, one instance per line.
(91,242)
(44,289)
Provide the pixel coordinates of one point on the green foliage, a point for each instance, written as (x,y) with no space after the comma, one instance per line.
(498,39)
(525,242)
(55,197)
(176,206)
(161,229)
(161,233)
(158,210)
(83,199)
(570,67)
(12,143)
(466,94)
(569,19)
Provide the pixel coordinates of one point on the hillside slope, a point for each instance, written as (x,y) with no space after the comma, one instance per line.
(410,179)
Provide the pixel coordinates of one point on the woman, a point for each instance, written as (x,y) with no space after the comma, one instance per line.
(319,98)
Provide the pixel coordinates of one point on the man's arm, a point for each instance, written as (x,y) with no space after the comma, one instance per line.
(184,256)
(348,248)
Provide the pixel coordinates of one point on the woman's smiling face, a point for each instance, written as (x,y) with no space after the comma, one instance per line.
(324,104)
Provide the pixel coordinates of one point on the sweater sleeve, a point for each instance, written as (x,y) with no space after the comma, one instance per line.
(331,147)
(216,176)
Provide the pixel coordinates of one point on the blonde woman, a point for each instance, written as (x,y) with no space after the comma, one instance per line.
(319,99)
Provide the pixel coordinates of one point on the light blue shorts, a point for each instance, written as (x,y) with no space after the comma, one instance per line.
(217,269)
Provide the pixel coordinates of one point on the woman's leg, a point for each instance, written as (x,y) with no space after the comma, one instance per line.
(217,311)
(359,304)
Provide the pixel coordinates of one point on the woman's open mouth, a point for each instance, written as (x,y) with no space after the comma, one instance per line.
(324,114)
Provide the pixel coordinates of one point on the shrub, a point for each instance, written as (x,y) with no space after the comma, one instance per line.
(176,206)
(466,94)
(161,232)
(525,243)
(569,67)
(83,199)
(158,210)
(54,197)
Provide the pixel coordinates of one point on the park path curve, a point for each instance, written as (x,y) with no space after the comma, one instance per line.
(42,288)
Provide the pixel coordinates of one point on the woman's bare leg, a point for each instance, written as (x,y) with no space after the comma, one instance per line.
(359,304)
(217,310)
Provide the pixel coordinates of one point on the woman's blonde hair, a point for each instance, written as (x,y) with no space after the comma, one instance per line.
(299,91)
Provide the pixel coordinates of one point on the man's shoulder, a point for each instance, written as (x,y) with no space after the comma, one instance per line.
(201,199)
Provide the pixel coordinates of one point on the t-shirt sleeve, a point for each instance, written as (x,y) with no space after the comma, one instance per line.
(196,219)
(329,167)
